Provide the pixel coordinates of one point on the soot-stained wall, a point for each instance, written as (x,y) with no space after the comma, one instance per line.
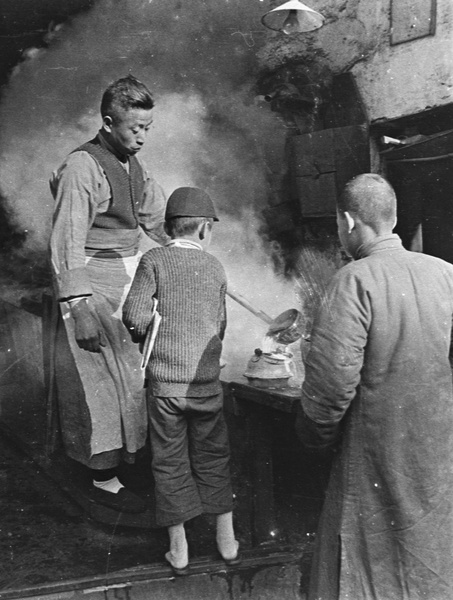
(393,79)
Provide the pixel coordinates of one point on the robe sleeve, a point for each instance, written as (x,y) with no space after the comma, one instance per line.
(80,191)
(335,360)
(152,211)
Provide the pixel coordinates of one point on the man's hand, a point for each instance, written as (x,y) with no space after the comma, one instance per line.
(89,333)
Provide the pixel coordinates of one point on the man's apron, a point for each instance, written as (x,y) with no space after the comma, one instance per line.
(100,396)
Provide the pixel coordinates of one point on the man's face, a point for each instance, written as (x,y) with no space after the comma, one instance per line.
(127,131)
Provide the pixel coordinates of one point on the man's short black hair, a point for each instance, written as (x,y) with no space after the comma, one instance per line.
(124,94)
(371,198)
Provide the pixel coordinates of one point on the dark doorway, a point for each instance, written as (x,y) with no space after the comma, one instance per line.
(422,175)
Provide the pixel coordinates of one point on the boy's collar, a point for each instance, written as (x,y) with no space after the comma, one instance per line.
(183,243)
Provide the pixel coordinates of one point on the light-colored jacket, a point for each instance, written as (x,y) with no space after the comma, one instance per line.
(100,395)
(378,375)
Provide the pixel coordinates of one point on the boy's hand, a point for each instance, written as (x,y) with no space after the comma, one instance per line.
(136,338)
(89,333)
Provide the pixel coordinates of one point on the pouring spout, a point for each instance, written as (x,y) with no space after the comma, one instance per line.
(287,327)
(284,329)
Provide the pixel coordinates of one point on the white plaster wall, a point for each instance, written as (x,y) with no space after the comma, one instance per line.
(410,77)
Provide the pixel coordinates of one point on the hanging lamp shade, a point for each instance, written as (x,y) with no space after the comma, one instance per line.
(292,17)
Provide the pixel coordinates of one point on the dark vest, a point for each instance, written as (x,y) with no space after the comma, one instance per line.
(127,188)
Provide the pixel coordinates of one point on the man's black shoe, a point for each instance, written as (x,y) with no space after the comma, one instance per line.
(136,479)
(123,501)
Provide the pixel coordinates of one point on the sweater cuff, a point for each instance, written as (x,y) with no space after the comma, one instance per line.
(72,283)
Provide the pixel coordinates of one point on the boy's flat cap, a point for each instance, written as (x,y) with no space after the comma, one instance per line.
(190,202)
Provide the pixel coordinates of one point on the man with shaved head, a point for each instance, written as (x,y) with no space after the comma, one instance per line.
(378,392)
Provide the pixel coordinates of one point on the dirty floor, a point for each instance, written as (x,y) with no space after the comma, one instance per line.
(47,537)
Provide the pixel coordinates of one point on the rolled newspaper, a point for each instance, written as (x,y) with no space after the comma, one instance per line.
(151,334)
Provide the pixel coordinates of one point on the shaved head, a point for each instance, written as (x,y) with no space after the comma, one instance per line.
(372,199)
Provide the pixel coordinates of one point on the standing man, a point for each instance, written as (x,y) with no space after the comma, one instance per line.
(104,200)
(379,382)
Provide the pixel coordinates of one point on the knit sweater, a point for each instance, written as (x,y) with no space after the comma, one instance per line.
(190,287)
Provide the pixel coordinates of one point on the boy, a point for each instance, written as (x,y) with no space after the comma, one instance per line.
(189,438)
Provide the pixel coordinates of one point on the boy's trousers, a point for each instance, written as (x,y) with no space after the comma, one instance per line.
(190,457)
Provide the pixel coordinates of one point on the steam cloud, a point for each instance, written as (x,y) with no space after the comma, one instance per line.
(198,58)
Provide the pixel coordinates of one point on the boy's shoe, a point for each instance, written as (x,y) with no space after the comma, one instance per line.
(123,501)
(234,561)
(178,571)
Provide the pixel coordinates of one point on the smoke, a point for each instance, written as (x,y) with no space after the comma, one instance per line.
(251,274)
(199,59)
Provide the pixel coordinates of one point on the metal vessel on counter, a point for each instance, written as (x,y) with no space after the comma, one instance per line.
(276,367)
(269,369)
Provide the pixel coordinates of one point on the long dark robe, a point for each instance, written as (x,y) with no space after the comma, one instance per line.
(378,374)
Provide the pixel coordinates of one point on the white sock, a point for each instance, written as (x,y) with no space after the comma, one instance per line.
(178,556)
(226,543)
(112,485)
